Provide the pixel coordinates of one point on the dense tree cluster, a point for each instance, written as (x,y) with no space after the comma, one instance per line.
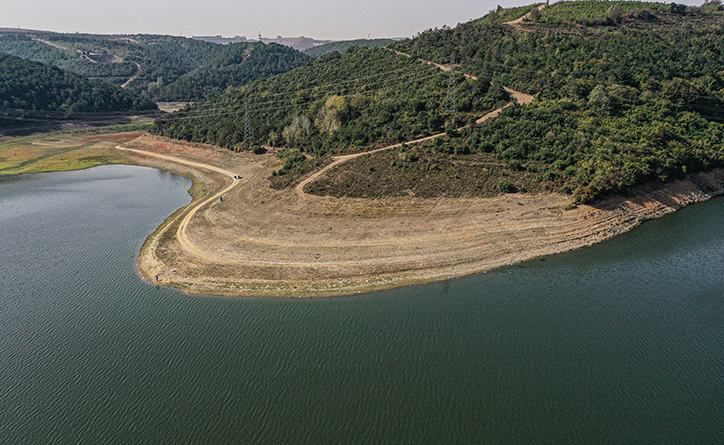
(36,91)
(617,105)
(340,103)
(236,64)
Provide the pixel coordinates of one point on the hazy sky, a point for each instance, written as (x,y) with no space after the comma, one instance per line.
(324,19)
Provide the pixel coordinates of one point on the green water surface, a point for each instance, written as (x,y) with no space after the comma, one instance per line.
(621,343)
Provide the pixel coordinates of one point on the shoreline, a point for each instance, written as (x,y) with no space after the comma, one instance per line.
(271,274)
(262,242)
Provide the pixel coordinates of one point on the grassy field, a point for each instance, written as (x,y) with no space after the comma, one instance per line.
(64,151)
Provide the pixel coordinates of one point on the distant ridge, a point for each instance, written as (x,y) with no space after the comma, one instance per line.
(344,45)
(20,30)
(300,43)
(221,39)
(165,68)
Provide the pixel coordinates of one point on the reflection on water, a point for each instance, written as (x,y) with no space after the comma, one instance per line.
(619,343)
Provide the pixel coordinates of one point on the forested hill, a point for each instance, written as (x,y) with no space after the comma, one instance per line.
(234,65)
(338,104)
(343,46)
(151,64)
(33,92)
(626,93)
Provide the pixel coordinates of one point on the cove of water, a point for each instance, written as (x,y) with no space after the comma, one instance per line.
(619,343)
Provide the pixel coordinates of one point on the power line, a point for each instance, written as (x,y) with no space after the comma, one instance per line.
(450,102)
(296,93)
(248,132)
(199,116)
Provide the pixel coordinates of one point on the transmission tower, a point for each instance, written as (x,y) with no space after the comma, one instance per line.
(248,133)
(451,105)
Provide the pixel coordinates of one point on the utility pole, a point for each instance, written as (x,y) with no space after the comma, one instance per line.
(248,133)
(451,105)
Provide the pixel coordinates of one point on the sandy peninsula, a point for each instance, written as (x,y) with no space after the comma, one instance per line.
(260,241)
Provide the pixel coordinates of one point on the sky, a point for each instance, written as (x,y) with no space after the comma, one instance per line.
(322,19)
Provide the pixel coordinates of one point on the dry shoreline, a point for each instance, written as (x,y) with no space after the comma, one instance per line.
(263,242)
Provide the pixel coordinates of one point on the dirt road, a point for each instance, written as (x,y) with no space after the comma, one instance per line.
(261,241)
(134,77)
(517,22)
(517,96)
(189,213)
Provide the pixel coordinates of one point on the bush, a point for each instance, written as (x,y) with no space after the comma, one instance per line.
(505,186)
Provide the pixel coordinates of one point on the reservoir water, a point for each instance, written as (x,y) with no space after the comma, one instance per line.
(620,343)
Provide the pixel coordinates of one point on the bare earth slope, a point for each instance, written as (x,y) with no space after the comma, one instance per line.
(265,242)
(260,241)
(517,22)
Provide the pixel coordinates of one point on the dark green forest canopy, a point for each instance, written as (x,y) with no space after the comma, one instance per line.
(627,92)
(33,90)
(339,104)
(171,68)
(235,64)
(624,100)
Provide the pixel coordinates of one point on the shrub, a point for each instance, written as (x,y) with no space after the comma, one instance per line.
(505,186)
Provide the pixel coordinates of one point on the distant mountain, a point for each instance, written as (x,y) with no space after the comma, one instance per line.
(221,40)
(17,30)
(343,46)
(299,43)
(33,92)
(150,64)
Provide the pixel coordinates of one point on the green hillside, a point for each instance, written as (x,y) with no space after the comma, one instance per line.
(593,12)
(339,104)
(626,93)
(236,64)
(344,46)
(622,101)
(152,64)
(33,92)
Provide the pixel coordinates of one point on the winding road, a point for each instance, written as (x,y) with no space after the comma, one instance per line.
(186,215)
(134,77)
(189,213)
(517,96)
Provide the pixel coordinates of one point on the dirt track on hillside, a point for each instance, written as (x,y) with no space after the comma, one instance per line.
(516,96)
(519,21)
(134,77)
